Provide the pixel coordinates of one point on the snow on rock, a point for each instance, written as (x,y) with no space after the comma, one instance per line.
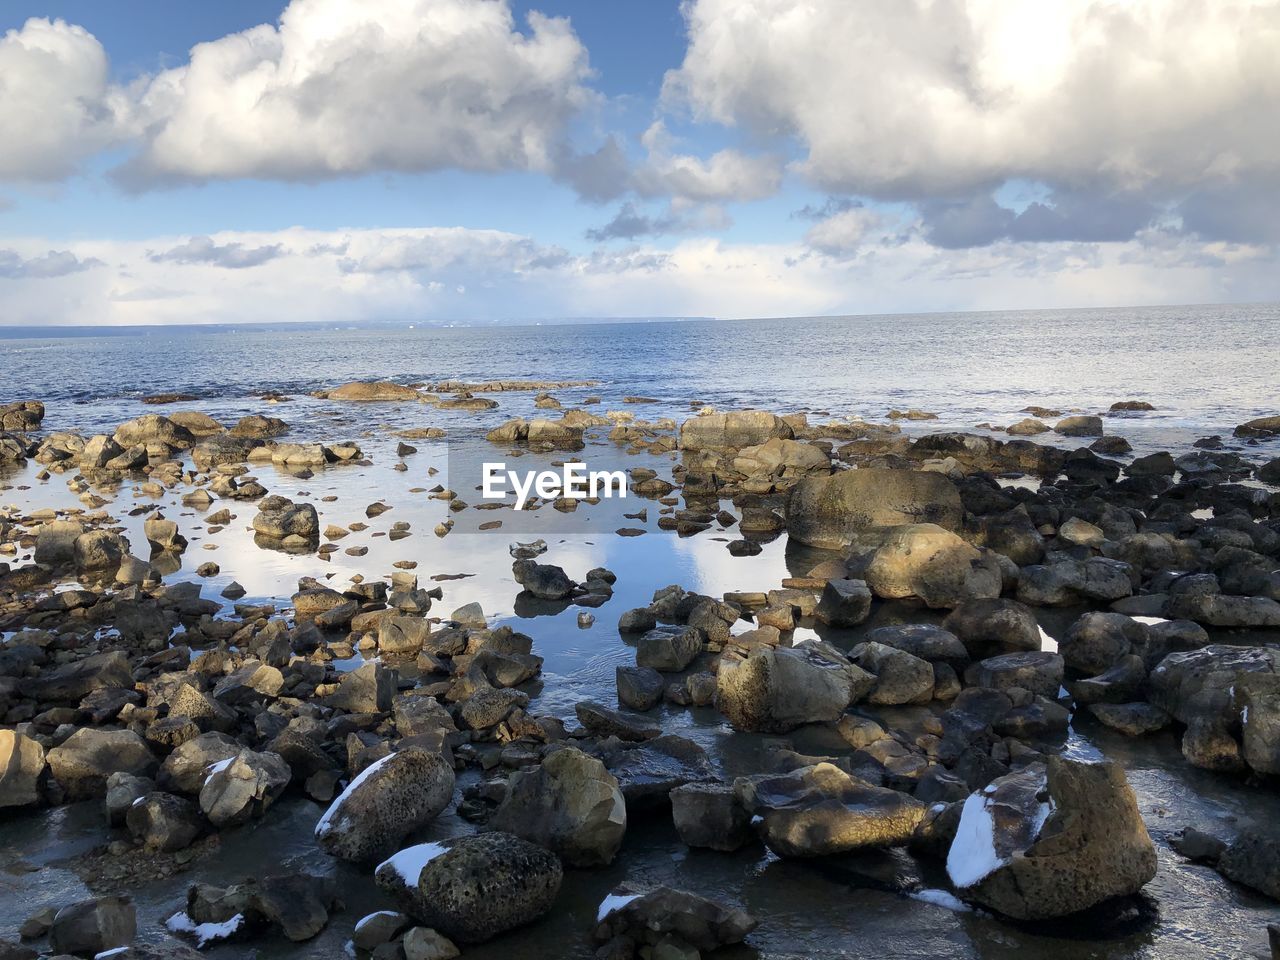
(326,821)
(973,852)
(940,898)
(204,933)
(612,902)
(408,863)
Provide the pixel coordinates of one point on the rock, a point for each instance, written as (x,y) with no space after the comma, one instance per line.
(542,580)
(374,390)
(820,810)
(900,677)
(423,943)
(638,620)
(1254,860)
(639,688)
(600,721)
(1257,696)
(923,560)
(392,797)
(1097,641)
(259,427)
(1133,719)
(775,690)
(569,804)
(1198,684)
(22,416)
(1027,427)
(1037,671)
(185,769)
(378,928)
(778,463)
(242,787)
(647,772)
(84,760)
(100,552)
(56,542)
(733,430)
(664,916)
(831,511)
(709,815)
(1218,610)
(1079,427)
(481,886)
(279,518)
(163,535)
(1261,427)
(844,603)
(370,688)
(153,429)
(21,767)
(1081,533)
(92,927)
(163,822)
(1070,582)
(923,640)
(1120,683)
(994,622)
(1051,840)
(669,648)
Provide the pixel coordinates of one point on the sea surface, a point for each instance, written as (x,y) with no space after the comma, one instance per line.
(1204,368)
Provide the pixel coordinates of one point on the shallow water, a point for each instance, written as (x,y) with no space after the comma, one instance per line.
(967,369)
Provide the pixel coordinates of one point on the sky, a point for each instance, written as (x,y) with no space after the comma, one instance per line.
(513,160)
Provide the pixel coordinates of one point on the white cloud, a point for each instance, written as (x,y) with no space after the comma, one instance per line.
(843,233)
(725,175)
(457,274)
(57,107)
(909,98)
(341,88)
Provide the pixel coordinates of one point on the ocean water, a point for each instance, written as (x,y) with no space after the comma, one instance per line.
(1205,369)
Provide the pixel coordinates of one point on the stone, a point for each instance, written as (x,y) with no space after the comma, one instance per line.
(600,721)
(374,390)
(663,916)
(844,603)
(481,886)
(1133,719)
(639,688)
(1080,426)
(775,690)
(1097,641)
(389,800)
(22,764)
(92,927)
(709,815)
(821,810)
(570,804)
(542,580)
(900,676)
(423,943)
(184,770)
(1253,859)
(242,787)
(1037,671)
(669,648)
(370,688)
(934,565)
(163,822)
(831,512)
(1051,840)
(84,761)
(990,623)
(732,430)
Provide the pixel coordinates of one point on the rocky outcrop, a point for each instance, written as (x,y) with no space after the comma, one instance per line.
(374,390)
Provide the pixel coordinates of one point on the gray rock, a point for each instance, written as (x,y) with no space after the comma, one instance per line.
(1038,671)
(85,760)
(994,622)
(91,927)
(900,677)
(924,560)
(164,823)
(639,688)
(662,917)
(709,815)
(603,722)
(775,690)
(844,603)
(670,649)
(242,787)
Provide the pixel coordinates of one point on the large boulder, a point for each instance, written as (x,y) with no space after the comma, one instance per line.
(152,428)
(21,766)
(88,757)
(774,690)
(1097,641)
(163,822)
(778,464)
(389,800)
(662,916)
(374,390)
(569,804)
(279,518)
(1051,840)
(820,810)
(480,886)
(924,561)
(93,927)
(22,416)
(78,679)
(242,787)
(733,430)
(831,511)
(994,623)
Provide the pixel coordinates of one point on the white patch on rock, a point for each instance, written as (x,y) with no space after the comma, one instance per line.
(941,898)
(204,932)
(614,902)
(325,823)
(408,863)
(973,852)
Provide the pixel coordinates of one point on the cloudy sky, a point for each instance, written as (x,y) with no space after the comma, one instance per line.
(529,159)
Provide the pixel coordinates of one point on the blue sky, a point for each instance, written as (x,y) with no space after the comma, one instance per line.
(486,159)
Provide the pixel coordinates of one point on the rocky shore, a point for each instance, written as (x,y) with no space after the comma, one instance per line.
(895,694)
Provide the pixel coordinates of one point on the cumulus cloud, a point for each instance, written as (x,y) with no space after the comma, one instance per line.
(234,256)
(632,222)
(340,88)
(55,263)
(57,106)
(934,97)
(843,233)
(726,175)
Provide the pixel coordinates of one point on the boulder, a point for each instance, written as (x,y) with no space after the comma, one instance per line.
(153,428)
(569,804)
(775,690)
(709,815)
(480,886)
(844,603)
(669,648)
(831,512)
(370,688)
(820,810)
(925,561)
(84,761)
(390,799)
(92,927)
(1051,840)
(1081,426)
(1253,859)
(56,542)
(1097,641)
(242,787)
(639,688)
(374,390)
(1038,671)
(542,580)
(661,917)
(164,823)
(279,518)
(185,769)
(900,677)
(994,623)
(21,767)
(733,430)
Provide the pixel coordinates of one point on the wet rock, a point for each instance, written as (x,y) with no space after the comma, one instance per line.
(1080,426)
(21,416)
(1254,860)
(669,648)
(153,428)
(844,603)
(638,620)
(830,512)
(1257,697)
(603,722)
(1037,671)
(481,886)
(994,622)
(423,943)
(1097,641)
(667,920)
(56,542)
(1261,427)
(165,823)
(1133,719)
(1219,610)
(22,764)
(776,690)
(639,688)
(279,518)
(925,561)
(391,798)
(647,772)
(1121,683)
(92,927)
(83,762)
(820,810)
(733,430)
(100,552)
(569,804)
(1052,840)
(378,928)
(1070,582)
(709,815)
(242,787)
(1197,684)
(900,677)
(374,390)
(542,580)
(924,640)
